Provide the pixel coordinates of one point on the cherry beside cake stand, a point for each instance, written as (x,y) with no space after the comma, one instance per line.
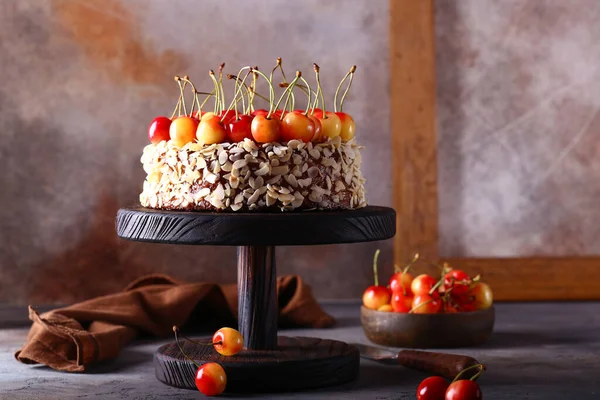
(268,362)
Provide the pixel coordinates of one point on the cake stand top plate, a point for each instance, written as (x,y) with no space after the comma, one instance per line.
(256,229)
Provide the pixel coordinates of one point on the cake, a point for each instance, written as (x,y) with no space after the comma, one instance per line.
(251,160)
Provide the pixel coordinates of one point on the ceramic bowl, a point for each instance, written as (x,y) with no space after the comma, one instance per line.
(428,330)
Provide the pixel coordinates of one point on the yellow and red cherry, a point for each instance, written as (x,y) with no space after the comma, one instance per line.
(183,130)
(331,126)
(482,296)
(348,126)
(385,308)
(211,130)
(422,284)
(210,379)
(426,304)
(376,296)
(228,341)
(239,129)
(159,130)
(265,130)
(297,126)
(401,302)
(401,281)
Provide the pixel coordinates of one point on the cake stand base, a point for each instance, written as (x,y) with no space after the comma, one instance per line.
(298,363)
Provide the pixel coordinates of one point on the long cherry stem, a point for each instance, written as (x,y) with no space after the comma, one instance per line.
(308,92)
(375,258)
(217,98)
(461,373)
(235,96)
(288,90)
(221,85)
(340,86)
(320,90)
(181,348)
(347,88)
(271,93)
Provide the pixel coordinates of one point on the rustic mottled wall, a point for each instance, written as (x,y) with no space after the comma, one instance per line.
(80,81)
(518,101)
(519,127)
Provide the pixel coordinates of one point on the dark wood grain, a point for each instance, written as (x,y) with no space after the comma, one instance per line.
(441,364)
(257,297)
(257,229)
(297,363)
(428,330)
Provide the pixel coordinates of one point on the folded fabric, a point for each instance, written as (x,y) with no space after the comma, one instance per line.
(71,338)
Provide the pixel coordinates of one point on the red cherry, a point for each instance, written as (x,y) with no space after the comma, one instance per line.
(240,129)
(463,390)
(277,114)
(159,130)
(318,136)
(432,388)
(426,304)
(265,130)
(317,112)
(401,303)
(376,296)
(211,130)
(229,115)
(228,341)
(183,130)
(458,281)
(348,126)
(401,281)
(261,111)
(297,126)
(422,284)
(211,379)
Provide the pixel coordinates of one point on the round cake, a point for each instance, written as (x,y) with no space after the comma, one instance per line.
(263,160)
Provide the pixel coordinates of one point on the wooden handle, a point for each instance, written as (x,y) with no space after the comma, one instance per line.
(442,364)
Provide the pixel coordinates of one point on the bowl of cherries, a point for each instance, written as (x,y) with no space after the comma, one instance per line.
(448,310)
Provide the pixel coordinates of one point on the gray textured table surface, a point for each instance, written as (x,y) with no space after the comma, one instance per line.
(538,351)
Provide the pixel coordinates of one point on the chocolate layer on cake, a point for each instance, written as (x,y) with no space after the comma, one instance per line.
(247,176)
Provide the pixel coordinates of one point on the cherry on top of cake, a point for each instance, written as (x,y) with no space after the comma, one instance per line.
(239,120)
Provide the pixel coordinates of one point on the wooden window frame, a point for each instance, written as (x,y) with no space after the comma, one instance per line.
(414,173)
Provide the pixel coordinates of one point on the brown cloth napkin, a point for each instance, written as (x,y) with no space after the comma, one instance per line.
(71,338)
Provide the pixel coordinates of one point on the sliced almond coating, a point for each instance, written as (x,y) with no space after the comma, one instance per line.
(252,199)
(313,172)
(236,207)
(296,172)
(249,145)
(274,179)
(239,164)
(297,159)
(284,190)
(210,177)
(339,186)
(328,181)
(239,198)
(286,198)
(263,170)
(275,162)
(295,144)
(219,192)
(315,153)
(200,194)
(262,190)
(327,152)
(258,182)
(223,157)
(281,170)
(291,180)
(227,167)
(270,200)
(304,182)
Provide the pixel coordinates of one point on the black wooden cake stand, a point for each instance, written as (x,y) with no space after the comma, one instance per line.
(268,362)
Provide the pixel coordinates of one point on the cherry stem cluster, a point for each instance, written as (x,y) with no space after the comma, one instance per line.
(350,75)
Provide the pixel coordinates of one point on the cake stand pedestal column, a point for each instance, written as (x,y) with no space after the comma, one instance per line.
(268,362)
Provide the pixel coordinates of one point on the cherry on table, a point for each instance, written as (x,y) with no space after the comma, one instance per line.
(159,130)
(228,341)
(210,379)
(432,388)
(463,390)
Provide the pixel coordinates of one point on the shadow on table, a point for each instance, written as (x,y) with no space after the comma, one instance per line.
(511,339)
